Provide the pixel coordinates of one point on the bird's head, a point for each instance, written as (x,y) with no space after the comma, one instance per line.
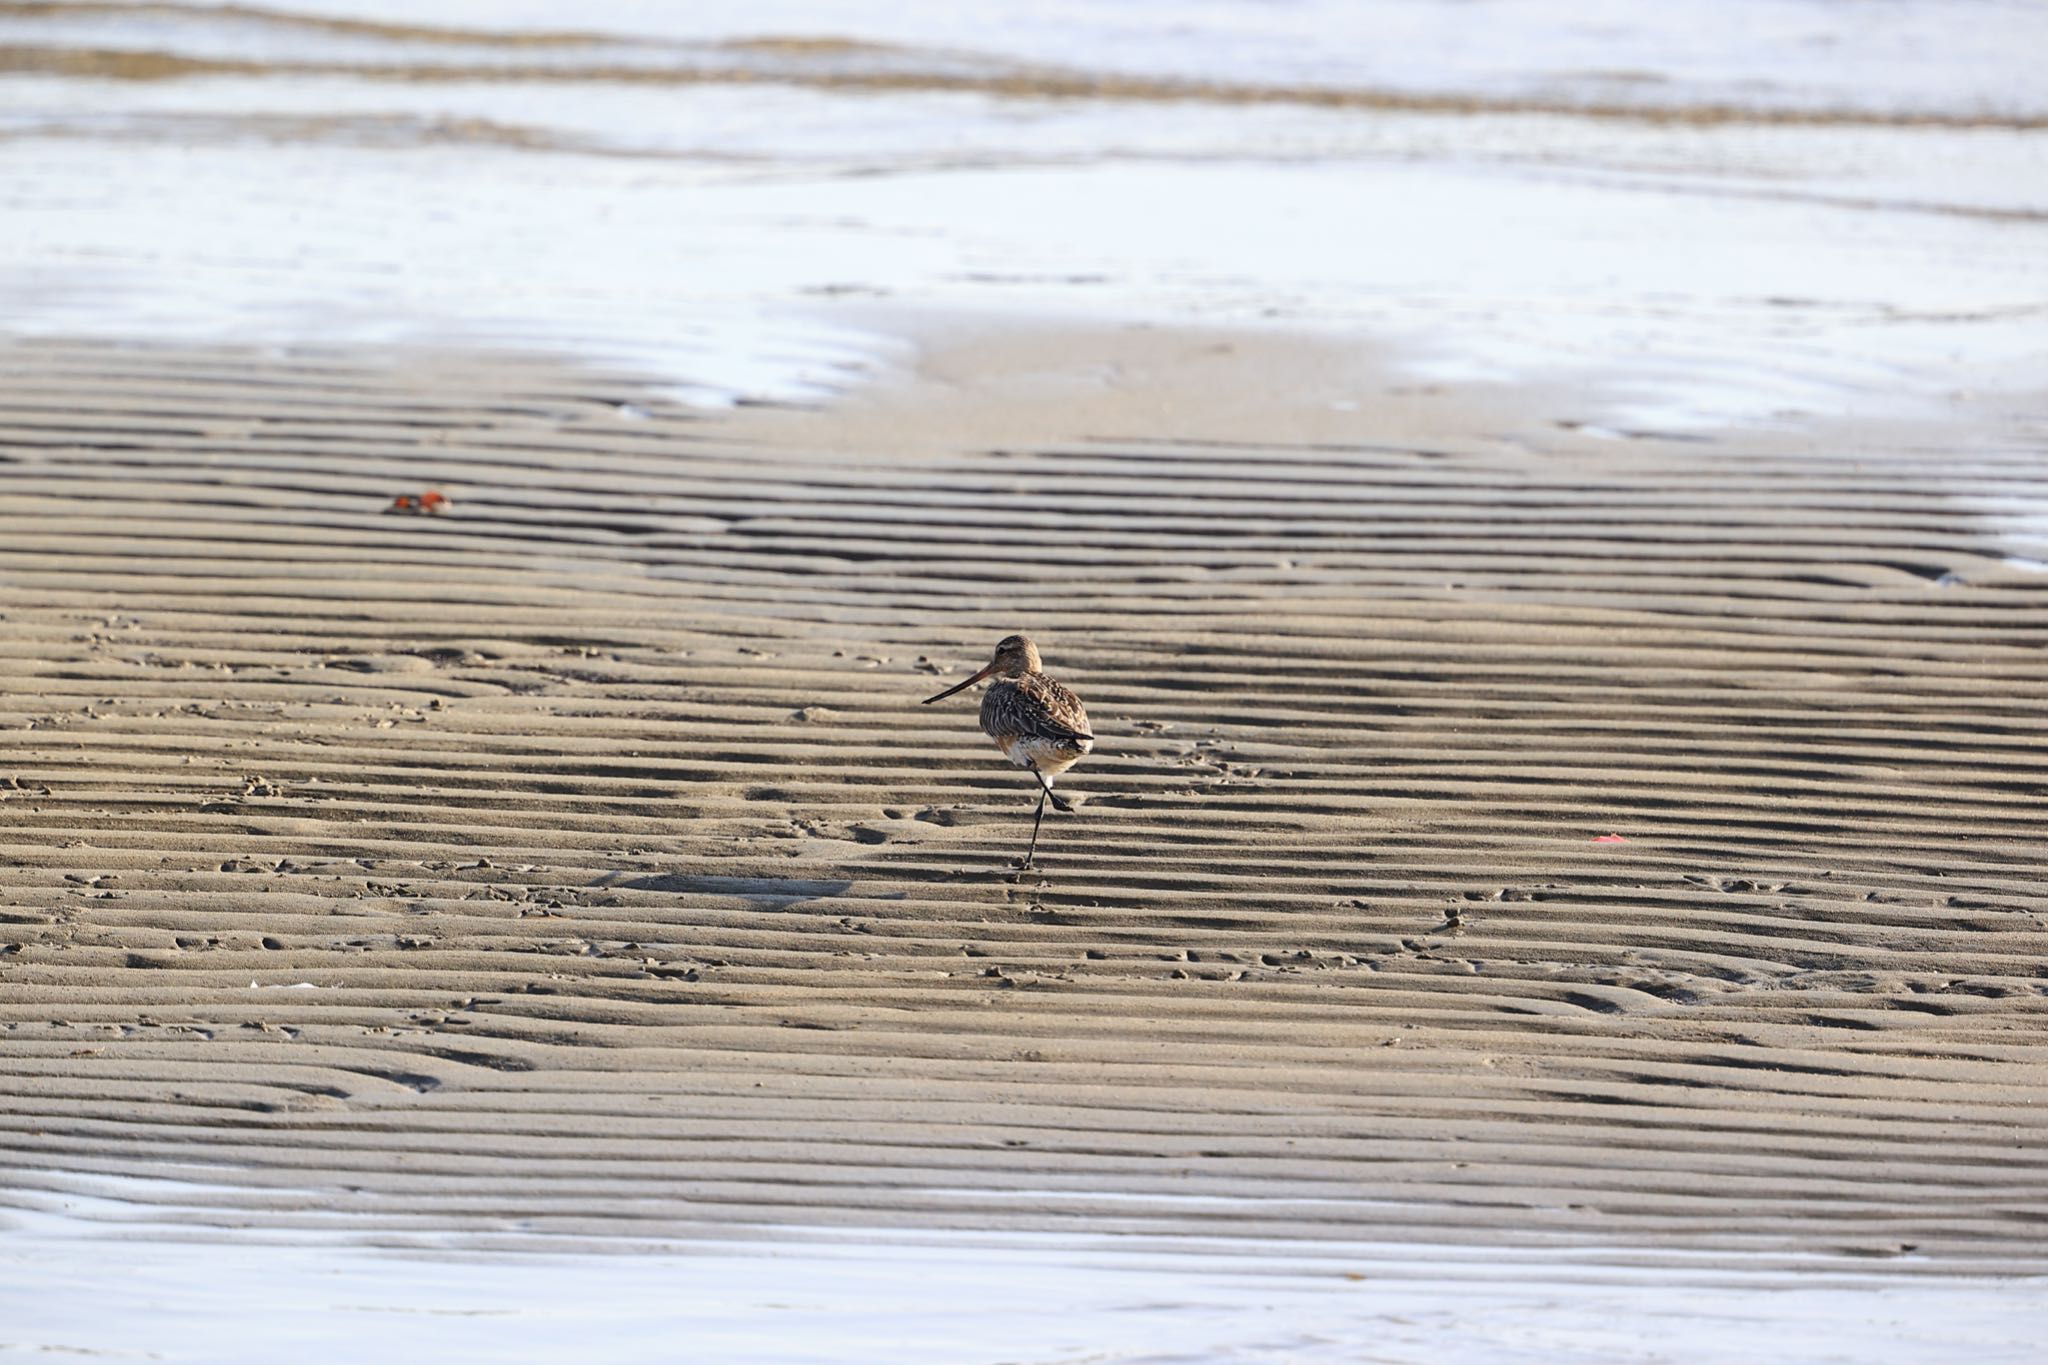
(1014,657)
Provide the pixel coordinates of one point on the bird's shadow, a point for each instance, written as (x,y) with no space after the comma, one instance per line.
(766,893)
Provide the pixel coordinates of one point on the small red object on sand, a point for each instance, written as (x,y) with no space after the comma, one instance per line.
(433,502)
(405,502)
(1609,839)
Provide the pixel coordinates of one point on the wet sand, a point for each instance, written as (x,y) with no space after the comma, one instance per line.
(582,863)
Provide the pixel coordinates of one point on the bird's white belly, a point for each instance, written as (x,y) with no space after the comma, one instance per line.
(1047,756)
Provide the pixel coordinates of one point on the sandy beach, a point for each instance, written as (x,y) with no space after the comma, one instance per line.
(588,849)
(1566,807)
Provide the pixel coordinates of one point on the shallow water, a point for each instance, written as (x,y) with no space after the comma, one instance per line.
(180,1294)
(1813,212)
(1909,57)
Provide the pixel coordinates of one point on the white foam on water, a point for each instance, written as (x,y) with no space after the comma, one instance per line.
(1667,309)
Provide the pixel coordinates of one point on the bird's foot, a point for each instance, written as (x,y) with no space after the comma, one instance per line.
(1060,803)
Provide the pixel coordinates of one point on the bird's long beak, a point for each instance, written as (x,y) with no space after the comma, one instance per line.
(956,687)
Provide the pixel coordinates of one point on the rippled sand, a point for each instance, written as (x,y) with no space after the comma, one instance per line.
(587,847)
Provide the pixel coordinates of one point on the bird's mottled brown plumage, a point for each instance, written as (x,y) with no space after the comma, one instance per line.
(1037,723)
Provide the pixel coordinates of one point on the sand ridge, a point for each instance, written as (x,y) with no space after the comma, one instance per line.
(583,862)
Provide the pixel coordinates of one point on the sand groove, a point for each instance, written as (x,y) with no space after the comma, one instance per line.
(583,861)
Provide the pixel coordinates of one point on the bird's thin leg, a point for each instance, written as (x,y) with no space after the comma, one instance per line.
(1059,803)
(1036,821)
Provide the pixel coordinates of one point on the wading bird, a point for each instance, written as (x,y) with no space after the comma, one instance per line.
(1037,723)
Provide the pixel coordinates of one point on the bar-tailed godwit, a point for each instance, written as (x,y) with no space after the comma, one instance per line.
(1038,724)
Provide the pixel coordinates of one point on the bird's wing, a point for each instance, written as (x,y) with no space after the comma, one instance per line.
(1057,714)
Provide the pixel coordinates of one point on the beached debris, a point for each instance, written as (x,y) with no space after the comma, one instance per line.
(432,503)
